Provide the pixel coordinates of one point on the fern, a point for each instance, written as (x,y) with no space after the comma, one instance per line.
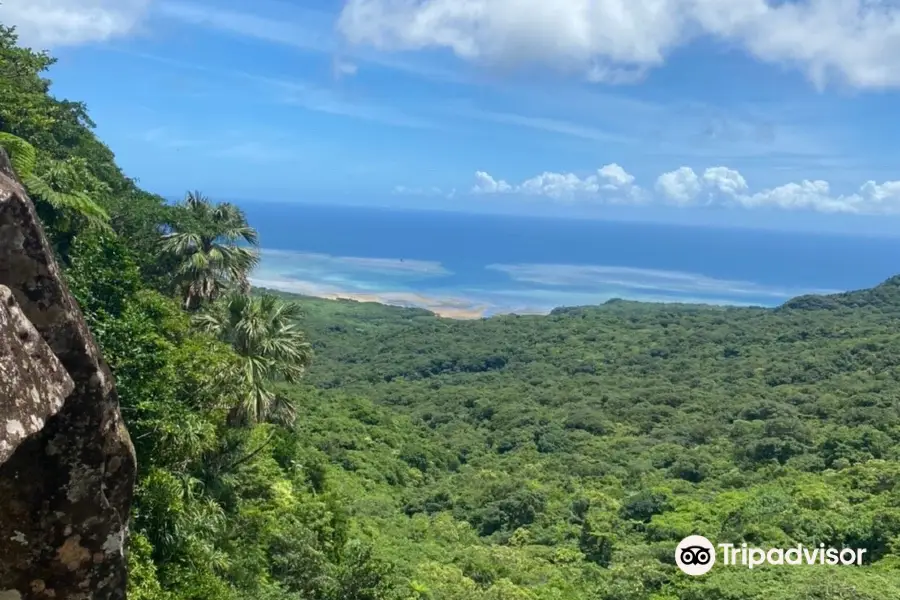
(74,202)
(22,155)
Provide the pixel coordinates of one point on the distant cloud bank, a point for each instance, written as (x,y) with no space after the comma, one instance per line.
(683,187)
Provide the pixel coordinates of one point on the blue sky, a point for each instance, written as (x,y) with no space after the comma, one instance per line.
(724,111)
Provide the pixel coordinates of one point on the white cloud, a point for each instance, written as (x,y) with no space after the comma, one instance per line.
(727,187)
(716,186)
(724,180)
(559,185)
(680,186)
(857,41)
(616,177)
(485,184)
(683,187)
(45,24)
(872,198)
(612,181)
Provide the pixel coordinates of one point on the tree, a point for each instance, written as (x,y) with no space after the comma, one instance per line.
(206,241)
(264,332)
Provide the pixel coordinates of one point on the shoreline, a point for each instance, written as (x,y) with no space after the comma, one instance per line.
(450,307)
(447,312)
(447,308)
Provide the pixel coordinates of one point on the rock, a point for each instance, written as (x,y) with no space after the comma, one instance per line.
(33,383)
(6,166)
(67,465)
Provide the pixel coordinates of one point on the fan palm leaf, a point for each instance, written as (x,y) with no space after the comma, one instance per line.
(209,246)
(265,334)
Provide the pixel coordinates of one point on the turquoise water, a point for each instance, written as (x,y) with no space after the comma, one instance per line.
(468,265)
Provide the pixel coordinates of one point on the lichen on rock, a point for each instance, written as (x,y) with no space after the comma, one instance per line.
(67,465)
(33,383)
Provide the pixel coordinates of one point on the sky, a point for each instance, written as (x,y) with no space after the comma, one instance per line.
(739,112)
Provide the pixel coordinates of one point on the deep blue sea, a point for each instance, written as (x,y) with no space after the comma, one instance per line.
(468,265)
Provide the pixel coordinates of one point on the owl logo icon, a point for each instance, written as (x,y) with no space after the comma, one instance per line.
(695,555)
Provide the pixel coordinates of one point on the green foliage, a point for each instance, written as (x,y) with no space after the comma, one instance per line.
(264,332)
(21,154)
(68,188)
(572,452)
(63,185)
(206,247)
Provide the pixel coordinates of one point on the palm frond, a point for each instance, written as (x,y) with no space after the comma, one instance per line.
(181,243)
(233,225)
(197,202)
(206,245)
(265,335)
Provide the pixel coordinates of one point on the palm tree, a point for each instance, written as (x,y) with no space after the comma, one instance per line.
(264,332)
(207,247)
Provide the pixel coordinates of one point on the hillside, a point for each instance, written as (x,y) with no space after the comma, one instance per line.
(600,436)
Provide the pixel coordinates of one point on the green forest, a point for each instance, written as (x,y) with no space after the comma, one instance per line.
(293,448)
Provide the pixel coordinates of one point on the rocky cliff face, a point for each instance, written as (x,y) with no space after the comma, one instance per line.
(67,465)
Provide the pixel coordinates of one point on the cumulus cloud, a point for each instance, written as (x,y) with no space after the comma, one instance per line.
(683,187)
(727,187)
(47,24)
(612,181)
(680,186)
(485,184)
(872,198)
(615,176)
(856,41)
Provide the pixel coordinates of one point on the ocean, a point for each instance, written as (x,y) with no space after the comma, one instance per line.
(467,266)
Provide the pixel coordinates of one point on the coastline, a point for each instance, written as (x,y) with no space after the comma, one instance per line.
(409,300)
(447,307)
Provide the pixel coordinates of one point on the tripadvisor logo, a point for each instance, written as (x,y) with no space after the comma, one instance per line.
(696,555)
